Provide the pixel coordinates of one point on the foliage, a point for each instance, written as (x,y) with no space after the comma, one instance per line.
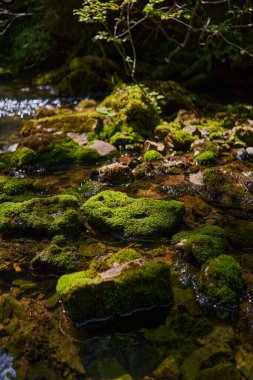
(222,28)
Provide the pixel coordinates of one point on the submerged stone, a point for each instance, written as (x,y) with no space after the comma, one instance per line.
(49,216)
(135,285)
(221,280)
(122,216)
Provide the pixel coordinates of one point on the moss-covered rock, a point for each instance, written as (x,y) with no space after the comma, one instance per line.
(181,139)
(14,189)
(115,173)
(201,245)
(226,188)
(57,258)
(220,280)
(124,255)
(49,216)
(152,155)
(122,216)
(88,295)
(205,158)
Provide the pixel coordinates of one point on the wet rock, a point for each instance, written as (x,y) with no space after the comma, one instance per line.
(12,148)
(135,285)
(243,133)
(123,216)
(80,139)
(192,129)
(241,154)
(153,145)
(102,148)
(249,151)
(201,245)
(220,280)
(115,173)
(57,258)
(196,178)
(226,189)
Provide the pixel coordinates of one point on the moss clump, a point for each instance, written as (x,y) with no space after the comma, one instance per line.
(135,287)
(152,155)
(204,158)
(57,258)
(125,138)
(124,255)
(221,280)
(50,216)
(181,139)
(14,189)
(122,216)
(201,245)
(23,157)
(215,136)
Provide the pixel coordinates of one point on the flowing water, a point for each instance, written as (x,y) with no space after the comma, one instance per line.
(46,345)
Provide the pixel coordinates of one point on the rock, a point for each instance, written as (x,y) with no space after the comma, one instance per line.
(244,133)
(201,245)
(196,178)
(80,139)
(142,218)
(249,151)
(191,129)
(226,189)
(47,216)
(12,148)
(221,281)
(241,154)
(181,140)
(138,284)
(153,145)
(102,148)
(115,173)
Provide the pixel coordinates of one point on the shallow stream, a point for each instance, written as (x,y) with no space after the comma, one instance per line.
(196,338)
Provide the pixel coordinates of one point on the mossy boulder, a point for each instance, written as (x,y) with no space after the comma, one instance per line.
(205,158)
(221,281)
(57,258)
(124,255)
(152,155)
(115,173)
(116,213)
(226,188)
(201,245)
(89,295)
(48,216)
(181,139)
(38,150)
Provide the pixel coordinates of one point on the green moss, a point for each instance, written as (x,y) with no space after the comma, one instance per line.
(23,157)
(164,128)
(57,258)
(51,216)
(204,158)
(136,287)
(181,139)
(215,136)
(124,255)
(15,189)
(116,213)
(124,138)
(201,245)
(152,155)
(221,280)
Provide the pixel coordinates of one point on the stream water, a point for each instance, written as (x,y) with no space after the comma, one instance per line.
(46,345)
